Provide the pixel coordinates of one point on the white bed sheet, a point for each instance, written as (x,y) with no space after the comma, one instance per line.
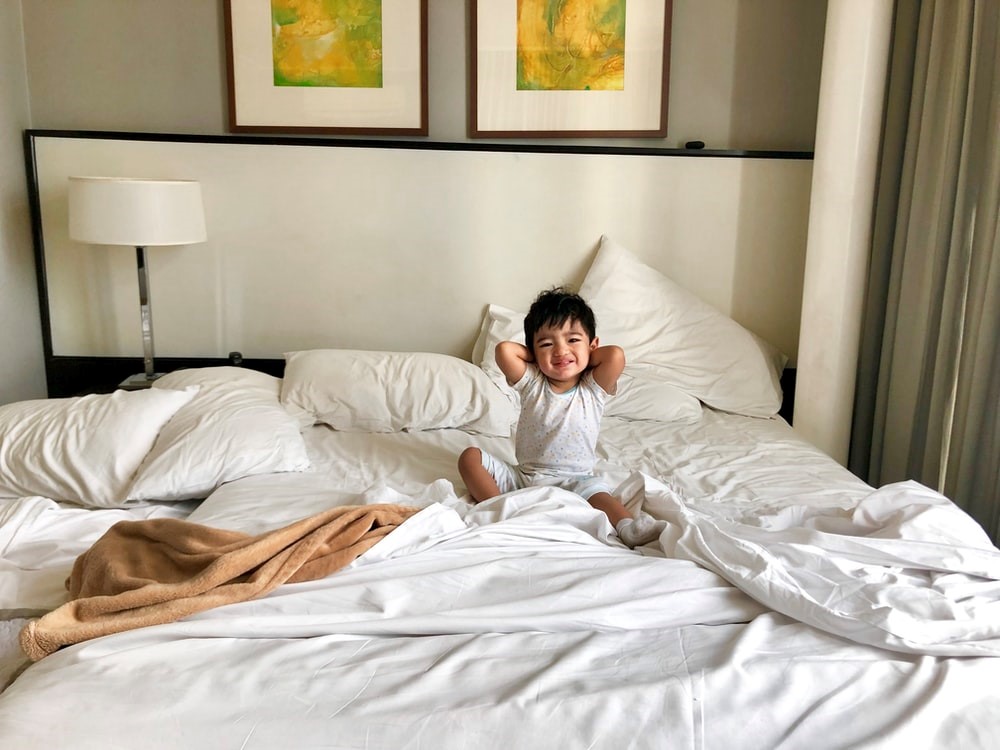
(744,464)
(522,622)
(39,541)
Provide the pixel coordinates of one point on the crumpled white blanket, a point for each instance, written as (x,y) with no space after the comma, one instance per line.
(905,569)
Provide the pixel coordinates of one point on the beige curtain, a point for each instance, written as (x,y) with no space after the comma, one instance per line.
(928,391)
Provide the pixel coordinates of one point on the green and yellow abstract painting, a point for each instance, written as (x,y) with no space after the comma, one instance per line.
(571,45)
(327,43)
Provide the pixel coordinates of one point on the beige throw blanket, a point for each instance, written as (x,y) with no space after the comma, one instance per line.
(157,571)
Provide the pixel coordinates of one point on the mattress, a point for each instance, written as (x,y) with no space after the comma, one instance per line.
(523,622)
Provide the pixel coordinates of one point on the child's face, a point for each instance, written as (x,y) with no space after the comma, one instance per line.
(562,353)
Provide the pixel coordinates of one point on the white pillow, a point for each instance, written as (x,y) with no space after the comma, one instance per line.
(642,394)
(362,391)
(499,324)
(235,427)
(690,343)
(83,450)
(642,398)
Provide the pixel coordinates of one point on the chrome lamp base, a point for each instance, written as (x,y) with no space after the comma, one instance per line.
(146,378)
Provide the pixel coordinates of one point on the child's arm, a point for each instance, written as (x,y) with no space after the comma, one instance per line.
(512,359)
(607,363)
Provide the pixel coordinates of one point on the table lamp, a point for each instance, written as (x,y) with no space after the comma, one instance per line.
(141,213)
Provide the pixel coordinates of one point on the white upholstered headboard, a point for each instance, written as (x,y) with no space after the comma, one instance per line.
(400,245)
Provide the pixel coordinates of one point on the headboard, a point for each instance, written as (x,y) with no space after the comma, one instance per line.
(400,245)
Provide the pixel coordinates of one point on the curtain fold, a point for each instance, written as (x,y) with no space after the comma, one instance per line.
(929,375)
(973,463)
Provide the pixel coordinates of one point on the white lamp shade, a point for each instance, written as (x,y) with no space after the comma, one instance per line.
(137,212)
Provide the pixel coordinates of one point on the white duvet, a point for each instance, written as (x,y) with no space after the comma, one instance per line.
(478,631)
(845,618)
(905,569)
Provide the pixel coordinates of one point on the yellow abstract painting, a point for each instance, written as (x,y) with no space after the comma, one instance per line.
(327,42)
(571,45)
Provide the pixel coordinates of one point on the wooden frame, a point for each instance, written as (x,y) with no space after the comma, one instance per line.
(385,99)
(265,192)
(515,95)
(218,298)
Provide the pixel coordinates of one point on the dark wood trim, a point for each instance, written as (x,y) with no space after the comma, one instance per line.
(787,410)
(227,25)
(668,20)
(35,208)
(68,375)
(420,145)
(76,376)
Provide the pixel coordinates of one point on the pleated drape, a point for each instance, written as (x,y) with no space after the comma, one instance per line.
(928,389)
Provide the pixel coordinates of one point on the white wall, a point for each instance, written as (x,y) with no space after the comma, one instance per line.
(744,73)
(856,55)
(21,367)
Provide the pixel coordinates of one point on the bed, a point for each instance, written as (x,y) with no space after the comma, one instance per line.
(786,603)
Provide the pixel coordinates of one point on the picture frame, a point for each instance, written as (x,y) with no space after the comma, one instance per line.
(294,74)
(529,79)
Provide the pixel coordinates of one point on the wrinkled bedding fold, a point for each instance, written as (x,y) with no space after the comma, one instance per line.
(904,570)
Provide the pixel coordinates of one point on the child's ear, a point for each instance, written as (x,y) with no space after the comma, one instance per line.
(594,343)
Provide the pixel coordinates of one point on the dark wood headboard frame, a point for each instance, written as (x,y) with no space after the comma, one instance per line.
(76,375)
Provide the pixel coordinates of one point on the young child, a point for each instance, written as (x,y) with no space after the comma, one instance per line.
(564,378)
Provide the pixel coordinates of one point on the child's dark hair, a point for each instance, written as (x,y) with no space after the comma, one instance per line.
(554,307)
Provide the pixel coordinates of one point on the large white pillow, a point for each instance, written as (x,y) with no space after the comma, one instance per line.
(643,398)
(642,394)
(82,450)
(366,391)
(235,427)
(690,343)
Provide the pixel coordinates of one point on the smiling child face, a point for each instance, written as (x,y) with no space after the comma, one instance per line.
(562,353)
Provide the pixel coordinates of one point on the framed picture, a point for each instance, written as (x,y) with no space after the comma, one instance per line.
(588,68)
(312,66)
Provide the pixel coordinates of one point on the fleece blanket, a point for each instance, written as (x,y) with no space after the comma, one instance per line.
(156,571)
